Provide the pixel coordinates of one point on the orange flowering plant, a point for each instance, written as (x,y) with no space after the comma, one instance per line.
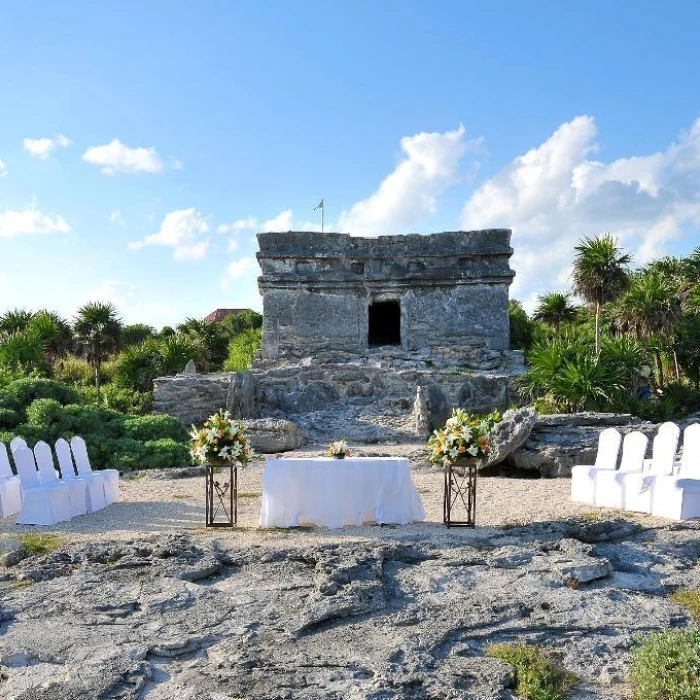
(222,440)
(463,436)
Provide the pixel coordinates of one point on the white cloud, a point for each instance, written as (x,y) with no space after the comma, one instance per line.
(30,222)
(409,194)
(121,294)
(40,148)
(241,270)
(116,218)
(249,224)
(137,305)
(556,193)
(115,157)
(181,230)
(3,169)
(404,198)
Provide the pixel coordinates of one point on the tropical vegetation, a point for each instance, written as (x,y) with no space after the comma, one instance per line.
(666,666)
(633,345)
(93,376)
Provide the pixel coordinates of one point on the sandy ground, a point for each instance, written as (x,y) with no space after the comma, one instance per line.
(150,506)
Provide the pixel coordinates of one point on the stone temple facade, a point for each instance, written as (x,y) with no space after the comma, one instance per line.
(333,291)
(371,339)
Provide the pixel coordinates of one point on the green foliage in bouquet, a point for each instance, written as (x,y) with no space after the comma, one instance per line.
(464,435)
(221,440)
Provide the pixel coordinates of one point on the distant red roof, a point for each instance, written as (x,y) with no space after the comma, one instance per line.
(221,314)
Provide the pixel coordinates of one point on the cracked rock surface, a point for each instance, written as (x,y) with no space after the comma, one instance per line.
(193,617)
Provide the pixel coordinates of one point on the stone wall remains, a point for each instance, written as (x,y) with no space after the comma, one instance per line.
(317,290)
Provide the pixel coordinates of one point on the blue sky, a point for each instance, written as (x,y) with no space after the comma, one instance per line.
(143,144)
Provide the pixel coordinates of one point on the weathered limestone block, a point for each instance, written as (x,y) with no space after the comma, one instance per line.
(193,398)
(421,413)
(508,435)
(242,400)
(269,435)
(12,551)
(482,393)
(557,443)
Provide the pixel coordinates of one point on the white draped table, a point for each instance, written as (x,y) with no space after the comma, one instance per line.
(337,492)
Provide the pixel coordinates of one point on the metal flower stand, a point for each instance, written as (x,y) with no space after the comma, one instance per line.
(222,495)
(459,502)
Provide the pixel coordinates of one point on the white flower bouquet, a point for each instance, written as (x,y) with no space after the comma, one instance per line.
(338,449)
(222,440)
(464,436)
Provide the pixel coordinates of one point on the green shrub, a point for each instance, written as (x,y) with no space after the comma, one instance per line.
(118,399)
(8,375)
(8,418)
(521,326)
(90,420)
(39,543)
(666,666)
(146,428)
(241,350)
(21,393)
(32,433)
(44,412)
(536,676)
(165,452)
(689,599)
(74,371)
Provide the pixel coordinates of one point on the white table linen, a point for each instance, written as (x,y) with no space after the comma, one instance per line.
(336,492)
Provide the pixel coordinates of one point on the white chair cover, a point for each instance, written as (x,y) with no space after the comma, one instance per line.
(609,484)
(678,497)
(82,462)
(93,483)
(16,442)
(583,480)
(638,487)
(48,477)
(41,505)
(690,459)
(10,486)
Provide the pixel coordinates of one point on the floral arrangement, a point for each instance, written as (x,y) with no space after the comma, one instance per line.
(338,449)
(221,440)
(463,436)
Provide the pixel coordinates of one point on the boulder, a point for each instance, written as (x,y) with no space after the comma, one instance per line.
(508,435)
(243,396)
(12,551)
(430,409)
(556,443)
(421,413)
(190,368)
(270,435)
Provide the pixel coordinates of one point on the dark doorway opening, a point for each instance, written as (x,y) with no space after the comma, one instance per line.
(384,323)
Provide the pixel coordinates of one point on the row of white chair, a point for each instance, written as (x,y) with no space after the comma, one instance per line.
(663,485)
(43,496)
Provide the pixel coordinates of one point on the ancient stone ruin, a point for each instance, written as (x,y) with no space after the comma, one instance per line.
(371,339)
(337,292)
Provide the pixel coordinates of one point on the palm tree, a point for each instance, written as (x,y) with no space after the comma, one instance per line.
(555,308)
(600,274)
(15,320)
(98,325)
(650,309)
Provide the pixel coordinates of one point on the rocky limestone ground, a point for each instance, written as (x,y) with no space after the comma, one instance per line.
(139,602)
(391,616)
